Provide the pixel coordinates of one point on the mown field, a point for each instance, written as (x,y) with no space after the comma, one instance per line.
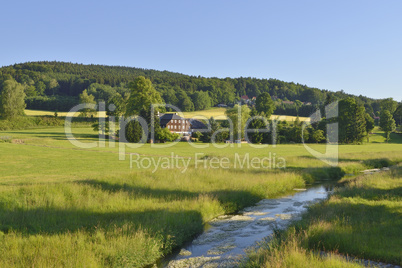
(218,113)
(61,205)
(51,113)
(362,220)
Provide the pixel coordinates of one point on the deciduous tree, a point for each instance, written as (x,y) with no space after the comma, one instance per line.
(387,123)
(265,105)
(12,99)
(369,125)
(87,99)
(239,116)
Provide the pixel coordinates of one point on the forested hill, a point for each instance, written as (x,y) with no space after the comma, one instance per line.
(56,85)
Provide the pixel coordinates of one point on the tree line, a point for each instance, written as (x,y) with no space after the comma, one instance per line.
(50,85)
(355,116)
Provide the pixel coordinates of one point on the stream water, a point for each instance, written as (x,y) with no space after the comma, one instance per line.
(226,238)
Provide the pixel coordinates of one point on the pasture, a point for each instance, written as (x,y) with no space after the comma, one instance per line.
(61,205)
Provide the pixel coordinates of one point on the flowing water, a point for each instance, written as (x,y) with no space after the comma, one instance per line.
(226,238)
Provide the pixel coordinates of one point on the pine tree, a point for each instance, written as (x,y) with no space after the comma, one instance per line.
(352,124)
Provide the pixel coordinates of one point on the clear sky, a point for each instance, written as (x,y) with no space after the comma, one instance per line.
(351,45)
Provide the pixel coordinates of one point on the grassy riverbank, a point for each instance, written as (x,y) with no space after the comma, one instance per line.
(362,219)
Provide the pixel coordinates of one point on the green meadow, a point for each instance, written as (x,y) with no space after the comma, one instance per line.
(61,205)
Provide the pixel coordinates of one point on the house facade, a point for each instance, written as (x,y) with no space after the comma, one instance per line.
(180,125)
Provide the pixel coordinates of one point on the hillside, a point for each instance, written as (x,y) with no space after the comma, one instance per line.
(56,86)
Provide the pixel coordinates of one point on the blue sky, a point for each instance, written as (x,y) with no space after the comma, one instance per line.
(351,45)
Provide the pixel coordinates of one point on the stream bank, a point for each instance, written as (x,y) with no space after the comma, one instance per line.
(226,238)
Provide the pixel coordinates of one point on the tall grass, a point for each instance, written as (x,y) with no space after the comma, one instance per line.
(363,219)
(67,206)
(121,221)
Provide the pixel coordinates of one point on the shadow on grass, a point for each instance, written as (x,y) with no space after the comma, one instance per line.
(369,163)
(140,192)
(59,136)
(175,227)
(181,226)
(395,138)
(231,200)
(373,194)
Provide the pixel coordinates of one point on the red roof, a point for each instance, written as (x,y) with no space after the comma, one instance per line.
(244,97)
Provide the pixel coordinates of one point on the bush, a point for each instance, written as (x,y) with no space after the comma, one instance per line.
(378,163)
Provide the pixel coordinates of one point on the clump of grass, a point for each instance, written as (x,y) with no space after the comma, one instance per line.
(325,173)
(287,251)
(378,163)
(5,139)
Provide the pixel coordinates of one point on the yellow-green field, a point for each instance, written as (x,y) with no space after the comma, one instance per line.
(61,205)
(218,113)
(50,113)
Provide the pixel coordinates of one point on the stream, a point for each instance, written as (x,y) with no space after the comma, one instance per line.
(226,238)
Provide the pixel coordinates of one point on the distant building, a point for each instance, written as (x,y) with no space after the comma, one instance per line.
(245,98)
(222,105)
(180,125)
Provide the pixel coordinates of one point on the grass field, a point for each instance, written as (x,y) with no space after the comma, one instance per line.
(218,113)
(363,220)
(50,113)
(66,206)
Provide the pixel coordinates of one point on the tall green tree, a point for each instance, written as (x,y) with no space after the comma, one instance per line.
(184,101)
(239,116)
(40,87)
(398,115)
(387,123)
(265,105)
(86,98)
(214,126)
(134,132)
(369,125)
(142,96)
(117,106)
(201,100)
(12,99)
(352,123)
(389,104)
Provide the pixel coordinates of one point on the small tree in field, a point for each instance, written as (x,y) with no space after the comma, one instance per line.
(387,123)
(317,136)
(12,99)
(90,99)
(265,105)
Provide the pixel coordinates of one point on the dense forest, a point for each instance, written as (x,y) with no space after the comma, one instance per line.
(57,85)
